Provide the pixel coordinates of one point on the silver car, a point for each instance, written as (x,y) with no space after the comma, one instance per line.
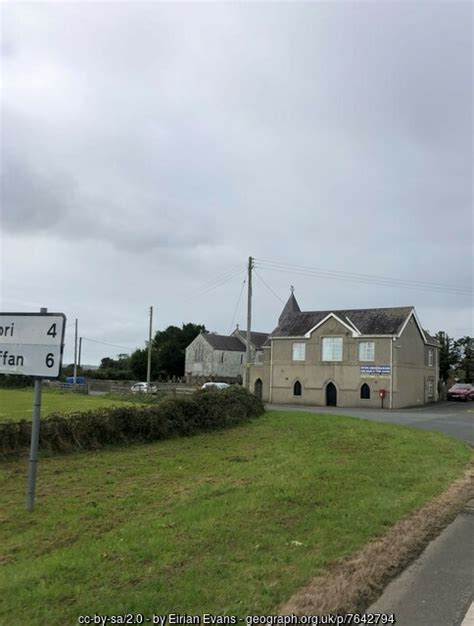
(213,385)
(143,388)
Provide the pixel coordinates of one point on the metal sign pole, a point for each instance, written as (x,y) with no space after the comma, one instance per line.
(32,344)
(35,430)
(33,463)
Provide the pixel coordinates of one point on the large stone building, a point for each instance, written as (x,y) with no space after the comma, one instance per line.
(348,358)
(222,357)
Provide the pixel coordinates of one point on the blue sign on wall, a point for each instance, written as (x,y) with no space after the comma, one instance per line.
(375,371)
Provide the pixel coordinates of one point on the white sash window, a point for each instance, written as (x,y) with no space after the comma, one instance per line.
(332,349)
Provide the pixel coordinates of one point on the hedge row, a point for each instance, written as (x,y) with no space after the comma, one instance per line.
(172,417)
(13,381)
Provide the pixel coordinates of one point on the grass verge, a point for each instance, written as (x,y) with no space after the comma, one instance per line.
(17,404)
(352,584)
(230,522)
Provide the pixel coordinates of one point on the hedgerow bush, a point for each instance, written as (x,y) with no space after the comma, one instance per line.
(172,417)
(13,381)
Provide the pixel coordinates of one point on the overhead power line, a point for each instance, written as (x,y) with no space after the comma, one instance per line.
(221,278)
(237,305)
(219,283)
(106,343)
(360,278)
(268,287)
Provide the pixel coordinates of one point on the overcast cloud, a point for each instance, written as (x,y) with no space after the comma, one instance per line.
(147,148)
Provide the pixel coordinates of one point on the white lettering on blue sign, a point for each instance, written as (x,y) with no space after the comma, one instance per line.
(374,371)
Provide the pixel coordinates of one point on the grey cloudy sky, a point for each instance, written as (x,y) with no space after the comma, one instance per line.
(148,148)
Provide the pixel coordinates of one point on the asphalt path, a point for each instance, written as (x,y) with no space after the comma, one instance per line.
(438,588)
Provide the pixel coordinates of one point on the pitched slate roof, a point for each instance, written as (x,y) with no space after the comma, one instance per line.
(223,342)
(387,321)
(430,339)
(290,307)
(258,339)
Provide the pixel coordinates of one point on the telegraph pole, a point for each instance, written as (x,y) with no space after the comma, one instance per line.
(148,369)
(80,350)
(75,352)
(249,321)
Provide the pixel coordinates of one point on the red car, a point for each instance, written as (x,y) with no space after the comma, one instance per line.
(461,391)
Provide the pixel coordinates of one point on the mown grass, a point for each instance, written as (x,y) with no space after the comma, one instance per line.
(231,522)
(17,404)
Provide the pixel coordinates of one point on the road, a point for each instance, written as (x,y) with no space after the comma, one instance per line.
(438,588)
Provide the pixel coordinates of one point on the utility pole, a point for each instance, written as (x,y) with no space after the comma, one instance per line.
(249,321)
(148,369)
(75,352)
(80,350)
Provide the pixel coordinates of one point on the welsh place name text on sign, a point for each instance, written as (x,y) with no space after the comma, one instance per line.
(31,344)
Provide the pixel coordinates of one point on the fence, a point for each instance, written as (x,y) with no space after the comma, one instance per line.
(168,388)
(71,387)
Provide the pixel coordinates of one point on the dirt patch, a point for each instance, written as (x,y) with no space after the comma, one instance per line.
(353,584)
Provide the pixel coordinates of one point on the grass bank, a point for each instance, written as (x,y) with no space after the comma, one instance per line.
(227,522)
(17,404)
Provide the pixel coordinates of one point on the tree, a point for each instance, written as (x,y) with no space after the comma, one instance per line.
(168,350)
(107,363)
(465,365)
(139,363)
(115,369)
(170,346)
(448,355)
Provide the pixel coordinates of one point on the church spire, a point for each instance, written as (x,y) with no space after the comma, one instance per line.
(290,307)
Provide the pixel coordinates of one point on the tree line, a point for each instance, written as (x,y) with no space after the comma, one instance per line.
(456,358)
(168,351)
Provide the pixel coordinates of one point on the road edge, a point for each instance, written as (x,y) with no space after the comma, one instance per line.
(351,585)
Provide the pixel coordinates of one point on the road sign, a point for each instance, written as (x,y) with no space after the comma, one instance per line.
(31,344)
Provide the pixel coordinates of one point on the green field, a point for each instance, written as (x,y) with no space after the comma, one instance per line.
(17,404)
(231,522)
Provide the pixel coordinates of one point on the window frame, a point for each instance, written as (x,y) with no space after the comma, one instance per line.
(430,357)
(332,360)
(367,343)
(302,347)
(199,354)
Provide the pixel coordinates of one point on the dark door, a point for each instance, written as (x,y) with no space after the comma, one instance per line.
(331,395)
(258,388)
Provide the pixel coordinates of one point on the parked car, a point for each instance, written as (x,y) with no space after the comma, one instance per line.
(461,391)
(213,385)
(143,388)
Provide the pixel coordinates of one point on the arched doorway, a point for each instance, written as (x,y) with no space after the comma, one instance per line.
(331,394)
(258,388)
(365,392)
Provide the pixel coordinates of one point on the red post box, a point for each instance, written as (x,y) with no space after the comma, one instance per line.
(382,393)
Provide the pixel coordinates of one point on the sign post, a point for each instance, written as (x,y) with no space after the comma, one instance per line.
(31,344)
(35,429)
